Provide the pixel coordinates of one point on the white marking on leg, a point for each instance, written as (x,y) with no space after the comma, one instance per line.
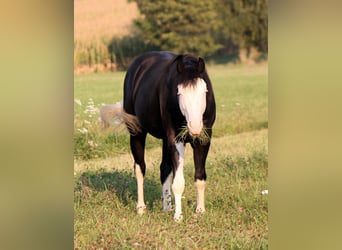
(167,204)
(179,182)
(200,184)
(140,183)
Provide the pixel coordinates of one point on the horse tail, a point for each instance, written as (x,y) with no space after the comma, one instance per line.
(132,123)
(111,114)
(114,114)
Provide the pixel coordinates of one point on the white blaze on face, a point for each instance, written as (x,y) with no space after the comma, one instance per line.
(192,103)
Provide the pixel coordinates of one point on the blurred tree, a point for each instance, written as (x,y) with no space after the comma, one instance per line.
(223,29)
(244,23)
(185,26)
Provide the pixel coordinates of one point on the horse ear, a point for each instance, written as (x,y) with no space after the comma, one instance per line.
(200,65)
(180,64)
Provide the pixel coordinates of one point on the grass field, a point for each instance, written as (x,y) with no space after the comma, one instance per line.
(105,186)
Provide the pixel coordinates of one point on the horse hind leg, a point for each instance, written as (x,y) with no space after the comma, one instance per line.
(166,178)
(138,147)
(167,200)
(141,207)
(179,182)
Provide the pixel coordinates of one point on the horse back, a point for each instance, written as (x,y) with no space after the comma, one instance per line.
(143,84)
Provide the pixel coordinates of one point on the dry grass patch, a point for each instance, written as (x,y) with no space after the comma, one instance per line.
(106,18)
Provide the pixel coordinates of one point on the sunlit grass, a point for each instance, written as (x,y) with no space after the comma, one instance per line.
(236,210)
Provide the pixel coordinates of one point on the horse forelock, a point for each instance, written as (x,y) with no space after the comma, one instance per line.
(188,77)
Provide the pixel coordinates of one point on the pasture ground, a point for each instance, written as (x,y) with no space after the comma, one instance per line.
(105,186)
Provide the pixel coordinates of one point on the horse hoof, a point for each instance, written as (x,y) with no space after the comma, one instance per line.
(200,210)
(141,210)
(178,218)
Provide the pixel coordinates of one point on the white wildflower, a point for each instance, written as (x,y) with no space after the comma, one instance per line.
(90,108)
(264,192)
(78,101)
(83,130)
(92,144)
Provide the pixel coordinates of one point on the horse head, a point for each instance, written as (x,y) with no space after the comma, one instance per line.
(191,92)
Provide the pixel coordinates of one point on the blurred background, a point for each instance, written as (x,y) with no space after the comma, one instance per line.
(108,35)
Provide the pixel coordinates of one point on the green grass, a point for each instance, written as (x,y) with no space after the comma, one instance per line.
(241,97)
(103,88)
(105,186)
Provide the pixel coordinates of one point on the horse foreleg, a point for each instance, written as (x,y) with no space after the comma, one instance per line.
(200,156)
(200,184)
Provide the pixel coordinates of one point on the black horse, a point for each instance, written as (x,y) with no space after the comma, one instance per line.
(169,96)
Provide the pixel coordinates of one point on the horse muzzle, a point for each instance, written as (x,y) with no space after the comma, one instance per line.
(195,128)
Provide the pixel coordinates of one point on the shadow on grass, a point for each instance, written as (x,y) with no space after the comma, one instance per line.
(260,125)
(122,184)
